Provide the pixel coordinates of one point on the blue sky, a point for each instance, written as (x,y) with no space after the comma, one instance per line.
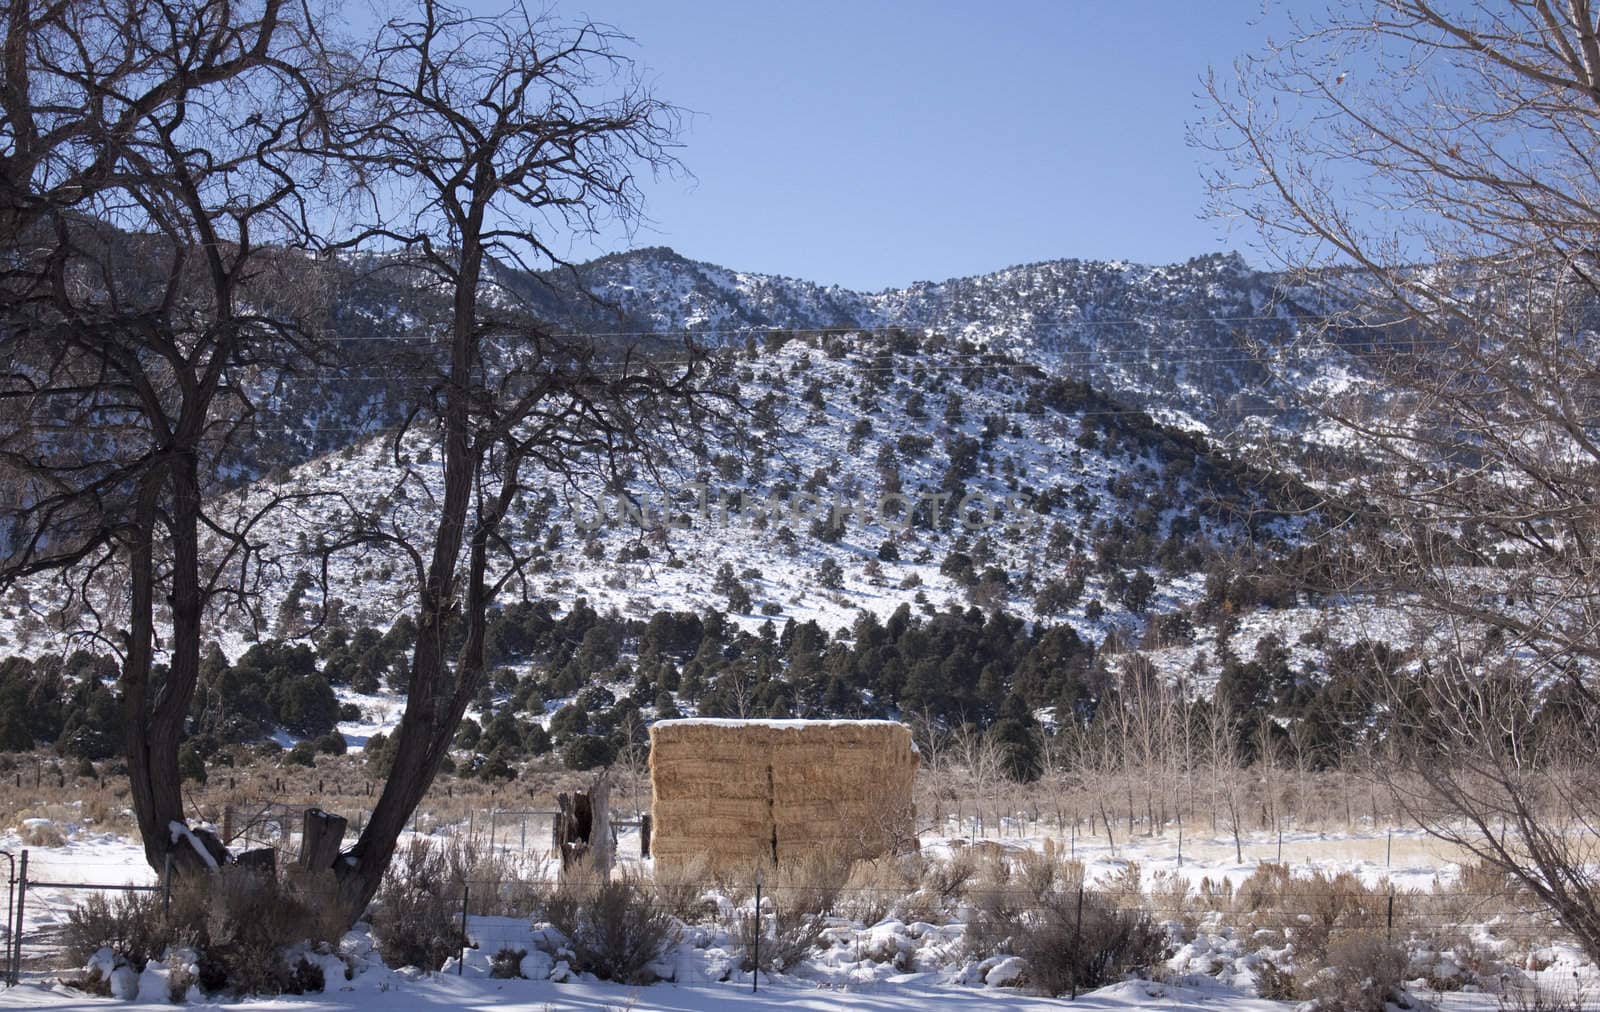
(874,143)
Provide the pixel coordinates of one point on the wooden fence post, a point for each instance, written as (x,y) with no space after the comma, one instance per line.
(600,848)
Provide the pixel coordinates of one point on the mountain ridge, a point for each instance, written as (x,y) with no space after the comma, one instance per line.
(1183,339)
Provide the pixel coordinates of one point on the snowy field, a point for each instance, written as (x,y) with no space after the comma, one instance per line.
(885,966)
(445,992)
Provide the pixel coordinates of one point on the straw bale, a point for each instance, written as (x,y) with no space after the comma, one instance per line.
(736,792)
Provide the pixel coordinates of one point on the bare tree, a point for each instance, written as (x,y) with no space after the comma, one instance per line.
(481,140)
(149,154)
(983,760)
(1431,175)
(1225,770)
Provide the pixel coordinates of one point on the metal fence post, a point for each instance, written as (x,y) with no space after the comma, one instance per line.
(11,910)
(755,968)
(166,886)
(16,935)
(461,961)
(1077,941)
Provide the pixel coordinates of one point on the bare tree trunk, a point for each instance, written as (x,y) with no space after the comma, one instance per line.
(153,794)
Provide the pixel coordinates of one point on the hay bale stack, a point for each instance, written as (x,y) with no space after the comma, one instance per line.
(735,793)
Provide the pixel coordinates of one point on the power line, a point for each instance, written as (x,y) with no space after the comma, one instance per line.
(910,330)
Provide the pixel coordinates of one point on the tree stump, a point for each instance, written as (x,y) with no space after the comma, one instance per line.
(186,859)
(574,826)
(321,837)
(558,827)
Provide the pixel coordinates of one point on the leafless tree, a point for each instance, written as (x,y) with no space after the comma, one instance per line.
(1224,768)
(480,139)
(148,187)
(1431,175)
(983,760)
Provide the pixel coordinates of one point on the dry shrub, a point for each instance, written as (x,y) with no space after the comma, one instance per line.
(1126,887)
(948,879)
(1000,910)
(1310,911)
(249,918)
(1040,872)
(1263,890)
(1170,898)
(1215,894)
(500,885)
(797,899)
(811,883)
(238,920)
(130,925)
(1364,973)
(91,982)
(1275,983)
(1066,947)
(929,889)
(1322,906)
(415,919)
(614,926)
(99,810)
(787,936)
(1480,878)
(179,980)
(736,884)
(1483,892)
(507,964)
(1070,937)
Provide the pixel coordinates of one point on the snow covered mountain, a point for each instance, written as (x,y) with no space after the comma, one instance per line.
(1035,446)
(1182,339)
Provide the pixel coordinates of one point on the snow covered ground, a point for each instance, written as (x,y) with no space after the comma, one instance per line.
(398,992)
(1210,967)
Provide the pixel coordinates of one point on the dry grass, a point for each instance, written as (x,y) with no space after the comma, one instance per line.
(50,789)
(682,892)
(37,832)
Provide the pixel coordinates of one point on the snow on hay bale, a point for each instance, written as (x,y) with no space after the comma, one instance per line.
(738,792)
